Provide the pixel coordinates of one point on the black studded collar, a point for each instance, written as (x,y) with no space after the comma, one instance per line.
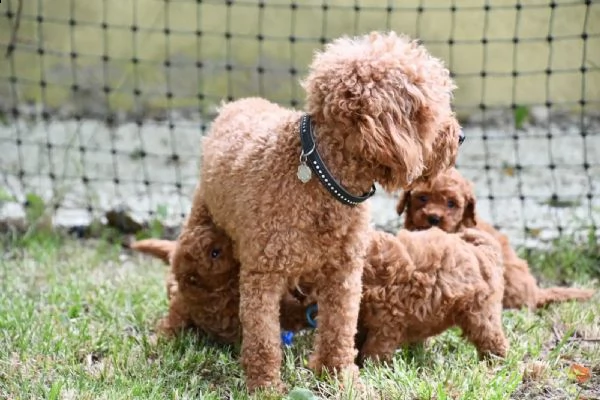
(311,162)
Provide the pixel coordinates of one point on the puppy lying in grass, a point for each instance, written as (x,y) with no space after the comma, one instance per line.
(448,202)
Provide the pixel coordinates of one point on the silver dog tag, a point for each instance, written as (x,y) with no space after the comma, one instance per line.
(304,173)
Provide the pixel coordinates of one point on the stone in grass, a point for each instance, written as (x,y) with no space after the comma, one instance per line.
(301,394)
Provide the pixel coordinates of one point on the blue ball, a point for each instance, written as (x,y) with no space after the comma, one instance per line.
(287,337)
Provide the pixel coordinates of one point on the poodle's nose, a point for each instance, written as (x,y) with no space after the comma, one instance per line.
(461,138)
(433,220)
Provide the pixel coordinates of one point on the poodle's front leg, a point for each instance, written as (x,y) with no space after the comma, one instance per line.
(339,295)
(484,329)
(260,294)
(380,345)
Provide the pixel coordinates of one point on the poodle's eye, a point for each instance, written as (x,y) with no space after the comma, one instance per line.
(423,198)
(215,253)
(451,204)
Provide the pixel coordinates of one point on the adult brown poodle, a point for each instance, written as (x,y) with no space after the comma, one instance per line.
(289,187)
(415,285)
(448,202)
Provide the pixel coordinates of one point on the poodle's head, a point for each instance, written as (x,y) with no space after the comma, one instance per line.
(391,100)
(446,201)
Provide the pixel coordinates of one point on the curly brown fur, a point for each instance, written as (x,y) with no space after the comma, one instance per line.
(418,284)
(380,105)
(411,289)
(210,309)
(448,202)
(202,282)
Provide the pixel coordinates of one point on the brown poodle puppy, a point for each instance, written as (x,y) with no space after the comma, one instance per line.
(448,202)
(378,110)
(202,283)
(197,300)
(411,290)
(418,284)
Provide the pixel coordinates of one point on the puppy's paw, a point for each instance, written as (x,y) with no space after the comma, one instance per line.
(164,329)
(496,348)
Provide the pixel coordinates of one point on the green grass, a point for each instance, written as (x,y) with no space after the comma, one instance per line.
(77,318)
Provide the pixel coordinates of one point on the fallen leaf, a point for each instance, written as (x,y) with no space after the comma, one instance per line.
(580,373)
(508,170)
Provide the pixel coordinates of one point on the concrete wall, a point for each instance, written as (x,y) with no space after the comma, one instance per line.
(198,35)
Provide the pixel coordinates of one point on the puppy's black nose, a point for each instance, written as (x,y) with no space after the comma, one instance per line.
(461,138)
(433,220)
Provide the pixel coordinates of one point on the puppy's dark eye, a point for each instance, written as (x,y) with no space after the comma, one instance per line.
(451,204)
(215,253)
(423,198)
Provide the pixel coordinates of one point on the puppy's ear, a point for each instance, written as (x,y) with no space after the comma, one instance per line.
(161,249)
(403,202)
(469,219)
(404,205)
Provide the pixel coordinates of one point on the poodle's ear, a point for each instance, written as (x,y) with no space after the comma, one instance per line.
(161,249)
(389,140)
(469,219)
(403,202)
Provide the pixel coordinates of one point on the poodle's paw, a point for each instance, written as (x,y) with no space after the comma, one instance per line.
(176,321)
(496,349)
(262,372)
(348,380)
(319,365)
(267,388)
(347,376)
